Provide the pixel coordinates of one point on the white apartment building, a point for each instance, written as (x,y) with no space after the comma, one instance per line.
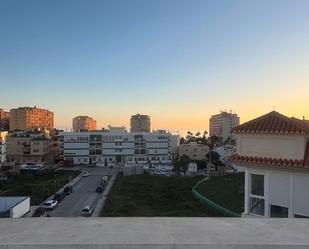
(274,150)
(3,135)
(221,125)
(118,146)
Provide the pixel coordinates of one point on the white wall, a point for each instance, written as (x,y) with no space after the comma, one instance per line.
(275,146)
(286,188)
(21,209)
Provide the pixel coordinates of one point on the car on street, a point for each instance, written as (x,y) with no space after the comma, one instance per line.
(68,190)
(100,189)
(50,204)
(159,173)
(87,211)
(85,174)
(59,196)
(40,212)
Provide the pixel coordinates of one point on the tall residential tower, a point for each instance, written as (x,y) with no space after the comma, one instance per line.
(140,123)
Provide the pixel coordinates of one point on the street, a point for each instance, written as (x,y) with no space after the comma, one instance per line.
(84,193)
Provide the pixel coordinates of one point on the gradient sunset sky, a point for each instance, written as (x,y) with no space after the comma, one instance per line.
(177,60)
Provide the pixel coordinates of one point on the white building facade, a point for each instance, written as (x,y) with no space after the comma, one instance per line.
(221,125)
(3,135)
(274,150)
(119,146)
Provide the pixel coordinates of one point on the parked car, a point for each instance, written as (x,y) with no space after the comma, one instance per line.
(68,190)
(87,211)
(40,212)
(51,204)
(85,174)
(59,196)
(100,189)
(159,173)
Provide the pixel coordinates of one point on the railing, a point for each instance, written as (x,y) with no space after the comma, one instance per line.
(212,205)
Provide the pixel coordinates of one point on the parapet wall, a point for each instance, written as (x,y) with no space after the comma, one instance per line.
(143,233)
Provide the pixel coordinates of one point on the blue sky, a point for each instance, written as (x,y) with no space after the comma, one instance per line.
(179,61)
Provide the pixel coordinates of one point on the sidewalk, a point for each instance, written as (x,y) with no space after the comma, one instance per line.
(101,201)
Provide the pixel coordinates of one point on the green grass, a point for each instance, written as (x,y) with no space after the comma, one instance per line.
(37,185)
(147,195)
(227,191)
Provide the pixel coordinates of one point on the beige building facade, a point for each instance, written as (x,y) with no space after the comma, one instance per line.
(25,147)
(4,120)
(140,123)
(193,150)
(29,118)
(84,123)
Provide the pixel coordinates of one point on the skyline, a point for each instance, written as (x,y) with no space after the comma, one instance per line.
(177,61)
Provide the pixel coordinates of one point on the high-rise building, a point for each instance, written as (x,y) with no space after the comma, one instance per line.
(221,125)
(84,123)
(4,120)
(140,123)
(29,118)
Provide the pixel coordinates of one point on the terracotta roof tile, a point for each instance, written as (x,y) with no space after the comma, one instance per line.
(274,123)
(273,162)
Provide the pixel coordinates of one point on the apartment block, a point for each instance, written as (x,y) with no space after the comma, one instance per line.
(29,118)
(84,123)
(119,146)
(221,124)
(27,147)
(140,123)
(4,120)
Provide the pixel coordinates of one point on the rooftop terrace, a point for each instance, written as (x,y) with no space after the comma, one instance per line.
(184,233)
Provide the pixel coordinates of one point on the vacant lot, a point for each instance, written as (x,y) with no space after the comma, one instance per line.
(227,191)
(148,195)
(37,185)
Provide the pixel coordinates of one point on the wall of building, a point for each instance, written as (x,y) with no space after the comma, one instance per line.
(21,209)
(221,125)
(274,146)
(115,146)
(285,188)
(27,118)
(140,123)
(194,151)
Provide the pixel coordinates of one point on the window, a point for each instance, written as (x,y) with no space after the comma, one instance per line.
(257,185)
(257,206)
(257,201)
(300,216)
(279,212)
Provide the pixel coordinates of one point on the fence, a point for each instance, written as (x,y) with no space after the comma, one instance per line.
(212,205)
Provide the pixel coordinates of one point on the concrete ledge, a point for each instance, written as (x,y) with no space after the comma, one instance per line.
(153,233)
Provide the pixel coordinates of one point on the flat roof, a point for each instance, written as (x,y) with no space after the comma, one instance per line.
(154,232)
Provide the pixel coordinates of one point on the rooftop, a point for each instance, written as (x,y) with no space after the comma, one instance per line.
(143,233)
(274,123)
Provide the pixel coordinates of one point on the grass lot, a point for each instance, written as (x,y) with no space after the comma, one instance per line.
(37,185)
(147,195)
(227,191)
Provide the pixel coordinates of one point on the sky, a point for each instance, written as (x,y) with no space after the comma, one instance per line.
(179,61)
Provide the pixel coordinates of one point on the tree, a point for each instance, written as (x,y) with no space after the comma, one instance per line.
(182,164)
(214,156)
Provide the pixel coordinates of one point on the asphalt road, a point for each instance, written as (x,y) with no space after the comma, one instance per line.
(84,193)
